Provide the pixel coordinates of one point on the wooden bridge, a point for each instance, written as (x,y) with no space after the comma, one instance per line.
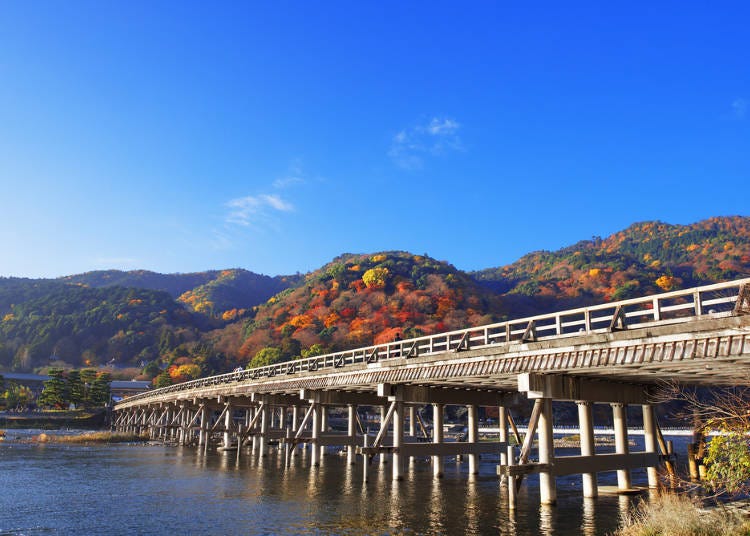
(614,354)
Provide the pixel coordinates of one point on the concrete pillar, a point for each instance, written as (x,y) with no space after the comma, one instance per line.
(316,418)
(412,421)
(295,418)
(586,427)
(204,425)
(168,431)
(547,485)
(227,426)
(398,440)
(437,437)
(352,433)
(621,443)
(649,432)
(323,426)
(473,432)
(182,438)
(502,424)
(254,441)
(263,439)
(383,411)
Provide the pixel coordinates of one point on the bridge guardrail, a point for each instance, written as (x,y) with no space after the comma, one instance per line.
(717,300)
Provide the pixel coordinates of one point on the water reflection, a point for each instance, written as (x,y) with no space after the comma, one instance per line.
(167,490)
(436,507)
(547,519)
(588,519)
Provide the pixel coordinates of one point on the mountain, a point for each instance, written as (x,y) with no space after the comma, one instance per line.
(184,325)
(81,326)
(645,258)
(363,299)
(215,292)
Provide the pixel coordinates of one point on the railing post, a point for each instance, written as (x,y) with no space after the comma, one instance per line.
(657,309)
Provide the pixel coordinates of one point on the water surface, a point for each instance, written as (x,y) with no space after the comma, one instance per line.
(155,489)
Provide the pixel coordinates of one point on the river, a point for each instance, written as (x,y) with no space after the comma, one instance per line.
(158,490)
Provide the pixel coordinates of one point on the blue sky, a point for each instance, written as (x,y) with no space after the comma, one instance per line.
(180,136)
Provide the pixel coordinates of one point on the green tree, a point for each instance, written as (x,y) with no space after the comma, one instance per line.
(265,356)
(76,388)
(88,376)
(163,380)
(99,392)
(54,394)
(312,351)
(18,396)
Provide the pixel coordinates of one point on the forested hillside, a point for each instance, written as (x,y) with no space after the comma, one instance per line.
(644,258)
(220,293)
(363,299)
(178,326)
(84,326)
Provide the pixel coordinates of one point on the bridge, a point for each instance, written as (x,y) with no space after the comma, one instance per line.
(615,353)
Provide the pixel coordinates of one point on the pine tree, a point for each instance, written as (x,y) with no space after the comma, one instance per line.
(55,390)
(75,388)
(99,392)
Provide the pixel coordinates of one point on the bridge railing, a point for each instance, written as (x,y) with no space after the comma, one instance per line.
(715,300)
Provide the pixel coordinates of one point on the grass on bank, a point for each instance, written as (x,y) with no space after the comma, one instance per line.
(93,437)
(678,515)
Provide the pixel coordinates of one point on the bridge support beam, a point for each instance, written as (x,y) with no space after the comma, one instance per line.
(649,431)
(316,418)
(351,432)
(586,433)
(621,443)
(473,434)
(398,439)
(547,485)
(502,424)
(437,438)
(203,433)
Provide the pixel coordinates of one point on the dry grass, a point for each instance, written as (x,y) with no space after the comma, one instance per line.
(94,437)
(678,515)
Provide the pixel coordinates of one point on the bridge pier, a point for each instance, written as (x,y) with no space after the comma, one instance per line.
(649,432)
(547,484)
(472,436)
(619,418)
(437,437)
(545,389)
(586,433)
(351,431)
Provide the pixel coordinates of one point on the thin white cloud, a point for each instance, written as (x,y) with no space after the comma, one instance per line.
(439,135)
(253,211)
(739,108)
(116,262)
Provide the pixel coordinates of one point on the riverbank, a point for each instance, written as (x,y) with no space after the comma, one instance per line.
(53,420)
